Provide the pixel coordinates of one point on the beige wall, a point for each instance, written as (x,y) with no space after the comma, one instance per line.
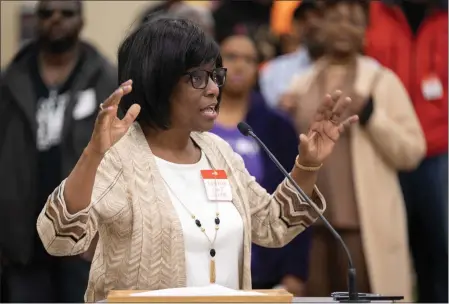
(107,22)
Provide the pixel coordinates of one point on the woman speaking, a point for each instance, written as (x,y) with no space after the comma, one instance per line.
(172,204)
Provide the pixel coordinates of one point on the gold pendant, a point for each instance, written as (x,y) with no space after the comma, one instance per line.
(212,271)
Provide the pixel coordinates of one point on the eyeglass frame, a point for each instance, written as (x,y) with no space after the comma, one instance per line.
(209,74)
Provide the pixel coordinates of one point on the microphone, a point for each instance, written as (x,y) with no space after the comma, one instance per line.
(353,296)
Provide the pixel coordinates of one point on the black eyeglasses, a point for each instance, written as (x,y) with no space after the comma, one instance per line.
(200,78)
(48,13)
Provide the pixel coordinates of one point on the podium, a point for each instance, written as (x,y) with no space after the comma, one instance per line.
(268,296)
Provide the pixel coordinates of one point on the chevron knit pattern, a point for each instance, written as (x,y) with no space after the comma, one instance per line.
(140,243)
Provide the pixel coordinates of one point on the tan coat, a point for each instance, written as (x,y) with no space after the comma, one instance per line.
(391,141)
(140,242)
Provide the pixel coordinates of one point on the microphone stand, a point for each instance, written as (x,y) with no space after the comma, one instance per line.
(353,296)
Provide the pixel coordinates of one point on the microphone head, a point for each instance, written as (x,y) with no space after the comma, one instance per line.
(244,128)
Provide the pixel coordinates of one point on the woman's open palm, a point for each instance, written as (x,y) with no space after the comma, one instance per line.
(108,127)
(325,130)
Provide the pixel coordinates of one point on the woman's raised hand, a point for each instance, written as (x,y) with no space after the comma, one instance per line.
(325,129)
(108,127)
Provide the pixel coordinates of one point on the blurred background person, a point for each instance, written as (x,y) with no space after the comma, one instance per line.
(411,38)
(251,18)
(278,73)
(199,14)
(281,25)
(240,102)
(360,180)
(160,8)
(50,95)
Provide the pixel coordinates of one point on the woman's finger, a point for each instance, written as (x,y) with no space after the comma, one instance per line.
(340,108)
(126,83)
(112,99)
(336,95)
(324,111)
(104,118)
(115,97)
(131,115)
(303,142)
(347,123)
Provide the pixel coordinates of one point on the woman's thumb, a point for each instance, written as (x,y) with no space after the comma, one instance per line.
(303,140)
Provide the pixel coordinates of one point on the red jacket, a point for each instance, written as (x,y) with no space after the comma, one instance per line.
(413,58)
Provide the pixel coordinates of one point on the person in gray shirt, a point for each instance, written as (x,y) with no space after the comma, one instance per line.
(276,76)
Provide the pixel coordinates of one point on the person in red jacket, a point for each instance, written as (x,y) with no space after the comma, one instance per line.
(411,38)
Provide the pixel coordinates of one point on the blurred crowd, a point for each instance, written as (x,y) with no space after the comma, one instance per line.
(386,185)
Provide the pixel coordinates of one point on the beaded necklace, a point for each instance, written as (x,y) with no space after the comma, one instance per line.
(212,252)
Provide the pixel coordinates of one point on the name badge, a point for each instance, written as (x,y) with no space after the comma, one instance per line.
(217,185)
(432,88)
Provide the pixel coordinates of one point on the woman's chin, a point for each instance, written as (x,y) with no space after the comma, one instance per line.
(204,126)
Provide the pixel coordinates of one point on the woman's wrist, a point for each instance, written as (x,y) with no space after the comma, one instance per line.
(91,154)
(307,166)
(305,179)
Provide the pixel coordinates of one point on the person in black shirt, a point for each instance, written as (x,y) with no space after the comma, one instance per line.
(50,96)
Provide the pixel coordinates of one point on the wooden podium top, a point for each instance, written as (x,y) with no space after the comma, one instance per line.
(269,296)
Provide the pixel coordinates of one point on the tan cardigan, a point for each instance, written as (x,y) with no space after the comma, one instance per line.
(141,244)
(391,141)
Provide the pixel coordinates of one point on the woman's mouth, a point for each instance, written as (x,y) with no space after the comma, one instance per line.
(209,112)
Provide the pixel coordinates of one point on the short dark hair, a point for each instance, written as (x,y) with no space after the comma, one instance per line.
(365,4)
(155,56)
(79,4)
(303,7)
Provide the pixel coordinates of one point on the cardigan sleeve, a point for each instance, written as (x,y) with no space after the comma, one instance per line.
(64,234)
(276,219)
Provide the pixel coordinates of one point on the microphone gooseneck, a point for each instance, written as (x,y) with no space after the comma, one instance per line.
(246,130)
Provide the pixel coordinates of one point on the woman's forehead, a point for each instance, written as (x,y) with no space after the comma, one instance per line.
(206,66)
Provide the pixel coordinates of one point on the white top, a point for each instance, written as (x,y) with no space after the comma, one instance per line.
(187,184)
